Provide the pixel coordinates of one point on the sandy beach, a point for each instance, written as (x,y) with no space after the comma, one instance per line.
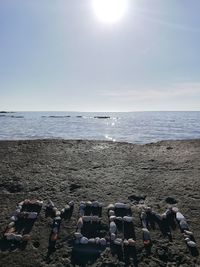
(110,172)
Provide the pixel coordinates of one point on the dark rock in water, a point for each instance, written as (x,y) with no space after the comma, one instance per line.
(136,198)
(79,116)
(54,116)
(101,117)
(171,200)
(17,117)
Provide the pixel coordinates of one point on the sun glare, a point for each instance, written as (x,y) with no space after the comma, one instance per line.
(110,11)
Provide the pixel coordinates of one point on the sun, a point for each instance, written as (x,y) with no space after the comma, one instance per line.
(110,11)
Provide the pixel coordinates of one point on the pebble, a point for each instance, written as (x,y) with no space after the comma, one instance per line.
(131,242)
(183,225)
(113,228)
(78,235)
(71,203)
(113,236)
(126,243)
(18,237)
(86,218)
(84,240)
(67,207)
(111,213)
(89,203)
(111,207)
(80,223)
(13,218)
(32,215)
(11,224)
(118,241)
(188,232)
(175,209)
(26,237)
(146,234)
(55,230)
(112,218)
(10,236)
(191,244)
(179,216)
(91,241)
(119,205)
(97,240)
(128,219)
(102,241)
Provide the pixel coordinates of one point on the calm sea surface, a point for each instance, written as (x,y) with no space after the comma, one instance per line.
(134,127)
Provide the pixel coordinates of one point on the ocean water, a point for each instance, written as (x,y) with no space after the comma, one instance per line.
(133,127)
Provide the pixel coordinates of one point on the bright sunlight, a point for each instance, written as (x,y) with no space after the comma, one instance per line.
(110,11)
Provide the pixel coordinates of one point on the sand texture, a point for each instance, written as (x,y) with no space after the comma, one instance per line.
(95,170)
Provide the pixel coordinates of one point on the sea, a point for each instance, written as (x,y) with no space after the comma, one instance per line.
(132,127)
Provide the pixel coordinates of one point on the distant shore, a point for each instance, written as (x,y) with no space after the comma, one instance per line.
(64,170)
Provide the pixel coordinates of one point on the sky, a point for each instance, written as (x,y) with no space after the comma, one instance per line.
(59,56)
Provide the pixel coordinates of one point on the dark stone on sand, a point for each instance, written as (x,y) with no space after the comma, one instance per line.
(171,200)
(74,187)
(137,198)
(12,187)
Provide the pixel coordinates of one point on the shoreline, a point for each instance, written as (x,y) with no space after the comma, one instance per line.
(64,170)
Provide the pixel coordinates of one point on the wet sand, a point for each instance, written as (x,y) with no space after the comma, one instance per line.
(105,171)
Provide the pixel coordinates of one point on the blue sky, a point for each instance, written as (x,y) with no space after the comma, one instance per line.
(56,55)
